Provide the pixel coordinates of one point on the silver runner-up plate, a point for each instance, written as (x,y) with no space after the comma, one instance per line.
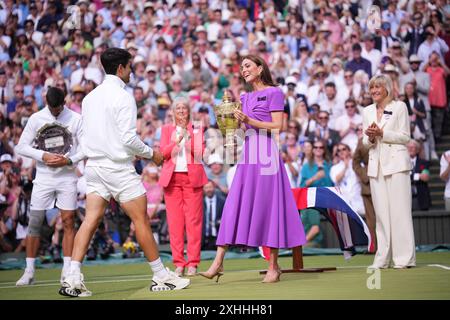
(54,138)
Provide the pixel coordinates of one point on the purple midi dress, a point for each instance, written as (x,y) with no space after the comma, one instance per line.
(260,209)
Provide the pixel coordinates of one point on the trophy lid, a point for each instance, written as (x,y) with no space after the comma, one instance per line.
(227,96)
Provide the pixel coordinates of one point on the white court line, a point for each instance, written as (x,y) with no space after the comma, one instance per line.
(439,266)
(88,282)
(114,279)
(108,277)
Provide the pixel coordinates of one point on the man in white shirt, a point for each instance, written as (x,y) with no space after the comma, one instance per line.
(331,103)
(370,53)
(445,176)
(85,72)
(432,43)
(215,26)
(347,124)
(55,177)
(111,144)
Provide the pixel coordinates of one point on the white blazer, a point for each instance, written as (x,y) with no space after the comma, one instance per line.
(388,154)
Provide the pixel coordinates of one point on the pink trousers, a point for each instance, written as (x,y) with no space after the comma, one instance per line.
(184,212)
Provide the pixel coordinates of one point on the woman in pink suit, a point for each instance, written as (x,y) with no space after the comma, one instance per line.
(182,178)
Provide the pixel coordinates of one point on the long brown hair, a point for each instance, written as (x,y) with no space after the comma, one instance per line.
(326,156)
(266,76)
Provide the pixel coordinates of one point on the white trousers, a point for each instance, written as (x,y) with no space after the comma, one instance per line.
(391,196)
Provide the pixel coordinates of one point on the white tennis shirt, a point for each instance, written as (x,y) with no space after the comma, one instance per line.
(109,116)
(26,146)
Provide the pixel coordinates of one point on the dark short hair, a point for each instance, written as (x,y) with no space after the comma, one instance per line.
(330,84)
(111,58)
(55,97)
(356,47)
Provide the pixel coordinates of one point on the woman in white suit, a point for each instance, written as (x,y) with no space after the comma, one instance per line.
(387,131)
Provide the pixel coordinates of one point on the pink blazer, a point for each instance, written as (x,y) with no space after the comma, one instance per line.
(194,152)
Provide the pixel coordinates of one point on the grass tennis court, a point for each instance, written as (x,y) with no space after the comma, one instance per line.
(242,281)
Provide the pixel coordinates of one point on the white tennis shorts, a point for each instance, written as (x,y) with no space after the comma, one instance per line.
(122,184)
(44,195)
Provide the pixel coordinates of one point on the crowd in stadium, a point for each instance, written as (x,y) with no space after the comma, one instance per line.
(321,53)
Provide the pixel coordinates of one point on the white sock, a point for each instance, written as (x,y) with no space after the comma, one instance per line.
(30,264)
(75,267)
(67,261)
(158,268)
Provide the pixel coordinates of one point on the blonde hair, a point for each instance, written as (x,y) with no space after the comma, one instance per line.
(385,82)
(184,101)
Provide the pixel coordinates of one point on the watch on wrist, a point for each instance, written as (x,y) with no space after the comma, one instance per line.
(69,162)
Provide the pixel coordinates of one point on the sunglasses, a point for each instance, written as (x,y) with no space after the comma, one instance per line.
(323,118)
(349,106)
(341,149)
(19,91)
(316,147)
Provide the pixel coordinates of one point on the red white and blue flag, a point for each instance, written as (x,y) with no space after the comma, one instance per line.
(350,228)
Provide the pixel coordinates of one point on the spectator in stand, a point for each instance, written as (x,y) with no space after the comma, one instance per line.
(345,179)
(438,72)
(415,34)
(420,175)
(348,123)
(359,164)
(358,62)
(416,108)
(316,171)
(370,53)
(311,222)
(216,173)
(197,74)
(445,176)
(432,43)
(422,83)
(85,72)
(213,203)
(323,132)
(78,96)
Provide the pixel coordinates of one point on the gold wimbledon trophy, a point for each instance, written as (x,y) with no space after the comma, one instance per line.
(228,124)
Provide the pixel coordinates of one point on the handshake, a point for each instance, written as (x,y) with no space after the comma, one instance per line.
(157,157)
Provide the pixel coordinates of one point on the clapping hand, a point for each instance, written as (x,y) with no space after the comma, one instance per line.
(373,131)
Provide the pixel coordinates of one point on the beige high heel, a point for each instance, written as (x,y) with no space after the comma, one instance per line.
(272,276)
(212,274)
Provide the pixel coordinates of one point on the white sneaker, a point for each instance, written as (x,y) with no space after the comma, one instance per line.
(73,286)
(171,282)
(64,274)
(27,279)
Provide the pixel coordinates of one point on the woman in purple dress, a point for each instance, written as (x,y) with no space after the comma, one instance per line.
(260,209)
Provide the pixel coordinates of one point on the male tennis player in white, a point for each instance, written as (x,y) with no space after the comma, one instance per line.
(55,181)
(110,142)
